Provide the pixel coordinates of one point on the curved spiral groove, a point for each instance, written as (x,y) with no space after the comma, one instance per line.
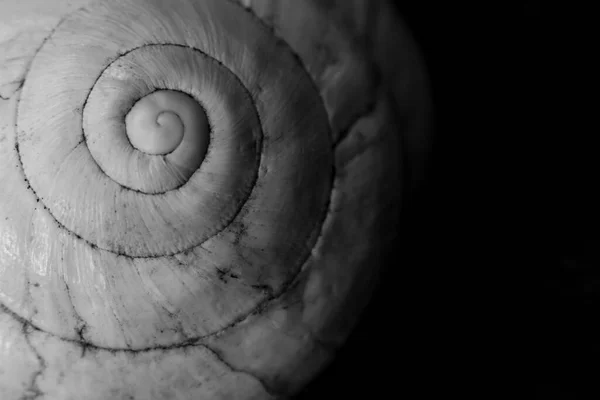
(208,201)
(201,191)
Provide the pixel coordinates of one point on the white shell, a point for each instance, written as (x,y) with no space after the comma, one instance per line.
(227,269)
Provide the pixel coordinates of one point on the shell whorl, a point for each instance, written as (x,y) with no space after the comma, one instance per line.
(252,143)
(201,191)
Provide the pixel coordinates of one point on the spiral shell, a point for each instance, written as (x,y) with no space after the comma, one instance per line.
(197,194)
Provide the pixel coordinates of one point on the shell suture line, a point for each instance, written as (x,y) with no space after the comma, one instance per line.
(259,160)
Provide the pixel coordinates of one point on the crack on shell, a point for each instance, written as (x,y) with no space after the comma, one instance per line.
(33,391)
(219,356)
(223,274)
(81,325)
(18,82)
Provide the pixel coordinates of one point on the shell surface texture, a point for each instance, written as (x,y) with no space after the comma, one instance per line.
(195,195)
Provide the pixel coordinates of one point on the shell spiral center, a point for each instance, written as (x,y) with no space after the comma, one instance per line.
(158,123)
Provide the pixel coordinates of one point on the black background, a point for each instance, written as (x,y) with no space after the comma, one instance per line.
(453,315)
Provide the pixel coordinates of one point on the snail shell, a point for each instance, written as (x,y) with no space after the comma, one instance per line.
(196,193)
